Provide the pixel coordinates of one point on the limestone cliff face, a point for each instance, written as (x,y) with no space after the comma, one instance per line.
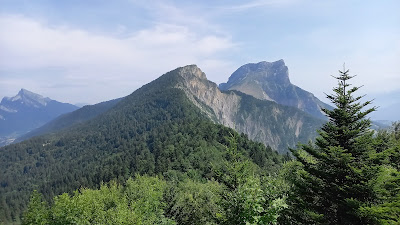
(275,125)
(220,107)
(270,81)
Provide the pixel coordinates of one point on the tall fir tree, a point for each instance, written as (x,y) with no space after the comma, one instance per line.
(334,176)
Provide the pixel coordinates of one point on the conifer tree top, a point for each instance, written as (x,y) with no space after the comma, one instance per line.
(347,121)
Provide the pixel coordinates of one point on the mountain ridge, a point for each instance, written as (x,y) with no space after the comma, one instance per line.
(229,108)
(156,130)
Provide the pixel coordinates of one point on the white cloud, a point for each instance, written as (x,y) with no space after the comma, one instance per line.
(257,4)
(90,61)
(314,39)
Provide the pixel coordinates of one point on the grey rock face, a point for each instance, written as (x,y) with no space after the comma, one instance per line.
(268,122)
(270,81)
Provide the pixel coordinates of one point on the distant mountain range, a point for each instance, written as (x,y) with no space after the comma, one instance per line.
(27,111)
(67,120)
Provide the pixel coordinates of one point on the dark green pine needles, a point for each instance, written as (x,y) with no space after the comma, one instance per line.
(333,184)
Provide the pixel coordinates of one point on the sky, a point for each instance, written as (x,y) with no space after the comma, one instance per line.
(91,51)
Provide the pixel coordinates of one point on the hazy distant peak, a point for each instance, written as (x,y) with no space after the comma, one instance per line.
(31,94)
(28,98)
(276,72)
(26,111)
(270,81)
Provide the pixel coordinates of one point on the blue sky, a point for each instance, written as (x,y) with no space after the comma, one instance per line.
(91,51)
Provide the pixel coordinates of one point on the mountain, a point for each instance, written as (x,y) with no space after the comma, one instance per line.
(268,122)
(177,125)
(27,111)
(273,124)
(270,81)
(64,121)
(155,130)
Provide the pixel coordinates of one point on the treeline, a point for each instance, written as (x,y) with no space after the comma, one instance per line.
(237,194)
(350,175)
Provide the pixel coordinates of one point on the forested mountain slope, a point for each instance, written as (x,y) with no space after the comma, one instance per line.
(155,130)
(69,119)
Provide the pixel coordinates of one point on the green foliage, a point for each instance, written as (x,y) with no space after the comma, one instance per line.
(249,204)
(38,212)
(244,200)
(387,187)
(333,183)
(150,200)
(386,206)
(350,175)
(138,202)
(195,202)
(235,168)
(244,196)
(86,206)
(145,197)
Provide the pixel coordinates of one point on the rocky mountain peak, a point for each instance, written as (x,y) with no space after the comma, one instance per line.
(272,72)
(270,81)
(242,112)
(264,65)
(27,98)
(191,71)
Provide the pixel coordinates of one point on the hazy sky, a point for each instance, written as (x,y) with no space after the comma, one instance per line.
(91,51)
